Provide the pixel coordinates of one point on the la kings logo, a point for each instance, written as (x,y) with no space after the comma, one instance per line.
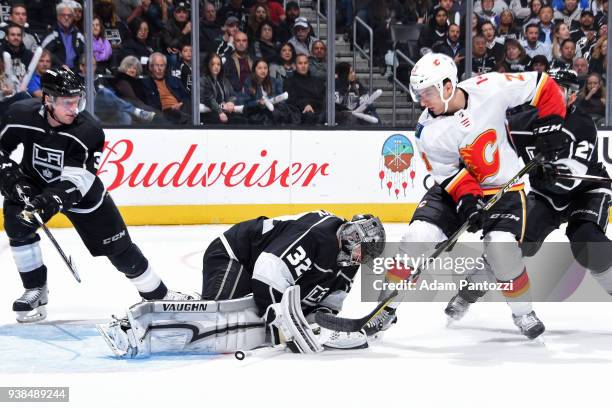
(47,162)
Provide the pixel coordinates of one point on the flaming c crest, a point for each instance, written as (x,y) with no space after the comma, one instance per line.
(475,159)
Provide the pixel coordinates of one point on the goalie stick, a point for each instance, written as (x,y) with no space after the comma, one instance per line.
(333,322)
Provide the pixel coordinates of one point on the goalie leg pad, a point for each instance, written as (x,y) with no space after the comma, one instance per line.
(288,324)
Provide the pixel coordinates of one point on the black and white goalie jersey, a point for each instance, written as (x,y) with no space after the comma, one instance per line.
(579,157)
(293,250)
(64,159)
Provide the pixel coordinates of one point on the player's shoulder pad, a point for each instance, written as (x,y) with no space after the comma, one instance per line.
(24,109)
(581,125)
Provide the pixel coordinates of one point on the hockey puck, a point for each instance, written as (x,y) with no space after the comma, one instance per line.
(240,355)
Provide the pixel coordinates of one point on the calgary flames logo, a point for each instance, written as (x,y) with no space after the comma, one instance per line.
(482,156)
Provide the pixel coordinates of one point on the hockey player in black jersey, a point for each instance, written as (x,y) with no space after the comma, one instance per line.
(262,281)
(584,205)
(62,150)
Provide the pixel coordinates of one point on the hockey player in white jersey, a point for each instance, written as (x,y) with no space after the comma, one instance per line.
(462,138)
(263,280)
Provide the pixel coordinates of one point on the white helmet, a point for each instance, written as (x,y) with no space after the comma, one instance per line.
(432,70)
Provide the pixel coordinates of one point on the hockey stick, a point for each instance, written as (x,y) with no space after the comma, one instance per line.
(332,322)
(36,216)
(595,179)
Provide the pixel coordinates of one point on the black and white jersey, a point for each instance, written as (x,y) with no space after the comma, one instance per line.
(292,250)
(64,159)
(579,157)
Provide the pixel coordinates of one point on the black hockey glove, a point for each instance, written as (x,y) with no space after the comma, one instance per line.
(10,176)
(547,172)
(470,208)
(47,204)
(550,140)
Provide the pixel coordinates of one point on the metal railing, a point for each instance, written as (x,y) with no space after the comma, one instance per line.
(319,17)
(397,53)
(367,55)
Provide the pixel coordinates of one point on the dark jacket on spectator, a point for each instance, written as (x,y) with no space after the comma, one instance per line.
(242,14)
(53,42)
(215,92)
(117,34)
(22,54)
(208,35)
(135,48)
(172,36)
(41,15)
(266,51)
(151,93)
(520,65)
(231,70)
(432,34)
(131,90)
(305,90)
(446,49)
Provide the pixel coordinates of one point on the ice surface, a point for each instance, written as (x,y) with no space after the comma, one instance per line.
(481,361)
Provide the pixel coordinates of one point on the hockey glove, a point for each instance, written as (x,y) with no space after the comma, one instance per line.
(550,140)
(470,209)
(547,172)
(10,177)
(46,204)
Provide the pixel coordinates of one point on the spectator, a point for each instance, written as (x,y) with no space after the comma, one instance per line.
(20,55)
(506,27)
(275,10)
(185,67)
(260,86)
(165,92)
(540,64)
(452,46)
(217,93)
(44,63)
(435,31)
(486,11)
(235,8)
(156,14)
(225,43)
(285,28)
(139,45)
(19,16)
(237,69)
(568,53)
(176,32)
(285,66)
(493,46)
(413,12)
(301,40)
(570,13)
(533,46)
(127,10)
(520,9)
(8,90)
(110,108)
(599,62)
(210,29)
(546,25)
(102,50)
(560,34)
(65,42)
(266,47)
(306,93)
(258,14)
(592,98)
(476,26)
(78,15)
(581,66)
(115,30)
(127,85)
(41,16)
(452,8)
(350,93)
(515,58)
(318,60)
(602,16)
(585,34)
(534,13)
(494,7)
(482,61)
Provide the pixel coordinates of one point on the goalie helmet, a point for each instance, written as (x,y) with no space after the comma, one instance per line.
(361,240)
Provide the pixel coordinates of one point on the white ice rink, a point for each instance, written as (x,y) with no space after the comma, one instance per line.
(481,362)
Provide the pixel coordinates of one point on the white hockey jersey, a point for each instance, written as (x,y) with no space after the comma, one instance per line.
(469,152)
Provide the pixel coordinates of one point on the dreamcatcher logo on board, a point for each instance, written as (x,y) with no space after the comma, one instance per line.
(396,169)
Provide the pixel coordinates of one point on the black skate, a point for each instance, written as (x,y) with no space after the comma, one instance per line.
(380,323)
(30,307)
(529,324)
(457,308)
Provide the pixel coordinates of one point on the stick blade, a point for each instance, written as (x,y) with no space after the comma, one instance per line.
(73,269)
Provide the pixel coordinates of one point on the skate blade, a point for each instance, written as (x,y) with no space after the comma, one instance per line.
(539,341)
(451,323)
(32,316)
(102,329)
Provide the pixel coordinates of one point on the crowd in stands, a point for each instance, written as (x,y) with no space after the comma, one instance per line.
(253,50)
